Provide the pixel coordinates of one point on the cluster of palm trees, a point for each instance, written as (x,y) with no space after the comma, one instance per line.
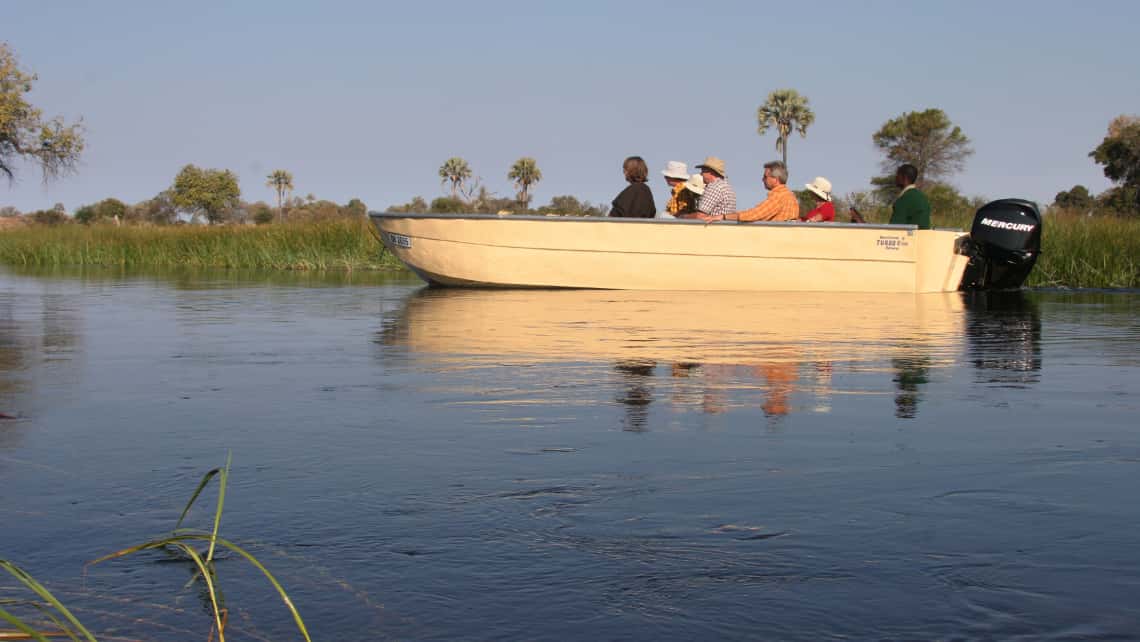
(523,173)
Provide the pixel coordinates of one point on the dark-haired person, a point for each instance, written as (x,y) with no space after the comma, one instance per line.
(912,206)
(635,201)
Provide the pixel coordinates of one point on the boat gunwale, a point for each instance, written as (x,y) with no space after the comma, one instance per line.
(651,221)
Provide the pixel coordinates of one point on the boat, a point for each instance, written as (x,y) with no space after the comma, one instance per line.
(513,251)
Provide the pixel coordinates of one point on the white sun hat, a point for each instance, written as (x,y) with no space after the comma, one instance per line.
(695,184)
(676,169)
(821,187)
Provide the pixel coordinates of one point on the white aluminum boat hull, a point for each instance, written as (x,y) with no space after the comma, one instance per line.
(649,254)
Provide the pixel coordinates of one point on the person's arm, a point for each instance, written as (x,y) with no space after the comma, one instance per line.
(767,210)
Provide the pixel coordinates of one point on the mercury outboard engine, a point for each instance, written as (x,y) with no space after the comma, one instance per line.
(1003,245)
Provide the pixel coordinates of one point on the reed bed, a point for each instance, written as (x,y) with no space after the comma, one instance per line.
(337,244)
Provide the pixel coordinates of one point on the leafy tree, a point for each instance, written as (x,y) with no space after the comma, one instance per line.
(571,206)
(946,202)
(159,210)
(54,216)
(525,173)
(212,192)
(785,110)
(105,210)
(455,171)
(24,134)
(416,206)
(282,183)
(1077,198)
(925,139)
(444,205)
(1119,152)
(355,208)
(261,213)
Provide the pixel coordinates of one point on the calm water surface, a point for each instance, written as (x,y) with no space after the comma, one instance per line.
(432,464)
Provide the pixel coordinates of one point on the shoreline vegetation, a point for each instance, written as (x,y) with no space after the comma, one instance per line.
(1078,251)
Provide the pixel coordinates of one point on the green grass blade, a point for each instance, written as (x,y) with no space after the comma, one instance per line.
(30,582)
(197,491)
(19,624)
(269,576)
(202,568)
(221,501)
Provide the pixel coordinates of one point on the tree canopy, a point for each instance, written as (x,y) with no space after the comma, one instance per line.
(785,110)
(524,173)
(281,182)
(25,134)
(456,171)
(211,192)
(926,139)
(1119,152)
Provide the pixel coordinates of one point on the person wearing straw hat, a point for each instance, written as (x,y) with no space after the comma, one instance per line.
(681,200)
(824,210)
(719,198)
(690,192)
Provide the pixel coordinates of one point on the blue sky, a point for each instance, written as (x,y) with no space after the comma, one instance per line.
(367,99)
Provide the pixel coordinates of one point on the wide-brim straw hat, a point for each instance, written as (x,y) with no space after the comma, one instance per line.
(676,169)
(715,164)
(695,184)
(821,187)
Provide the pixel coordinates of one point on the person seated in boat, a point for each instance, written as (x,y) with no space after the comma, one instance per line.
(824,210)
(719,197)
(681,200)
(635,201)
(780,205)
(690,193)
(911,207)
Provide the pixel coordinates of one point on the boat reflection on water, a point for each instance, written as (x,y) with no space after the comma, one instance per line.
(1004,329)
(703,351)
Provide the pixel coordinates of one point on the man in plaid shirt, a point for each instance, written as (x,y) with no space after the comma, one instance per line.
(719,197)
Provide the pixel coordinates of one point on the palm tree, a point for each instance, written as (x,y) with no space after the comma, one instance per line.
(525,173)
(282,182)
(786,109)
(455,171)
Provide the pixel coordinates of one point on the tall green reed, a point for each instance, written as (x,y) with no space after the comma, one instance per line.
(182,542)
(345,244)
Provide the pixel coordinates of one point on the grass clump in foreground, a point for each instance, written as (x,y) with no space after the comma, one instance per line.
(180,542)
(344,244)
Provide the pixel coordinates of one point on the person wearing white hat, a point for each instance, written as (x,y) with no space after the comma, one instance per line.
(680,199)
(824,210)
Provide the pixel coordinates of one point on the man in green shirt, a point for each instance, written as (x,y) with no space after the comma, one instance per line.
(911,207)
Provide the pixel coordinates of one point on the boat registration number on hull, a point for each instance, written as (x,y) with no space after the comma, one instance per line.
(398,240)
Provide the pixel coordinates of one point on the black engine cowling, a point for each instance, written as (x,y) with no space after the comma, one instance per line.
(1003,245)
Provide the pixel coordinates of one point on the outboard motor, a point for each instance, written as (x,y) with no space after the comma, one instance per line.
(1003,245)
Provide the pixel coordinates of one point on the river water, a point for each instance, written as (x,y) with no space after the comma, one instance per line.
(477,465)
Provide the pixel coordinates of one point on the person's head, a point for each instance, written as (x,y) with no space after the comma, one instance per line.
(775,173)
(635,169)
(712,170)
(820,188)
(675,172)
(906,175)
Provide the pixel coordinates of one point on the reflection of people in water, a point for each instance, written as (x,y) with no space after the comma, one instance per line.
(911,373)
(781,380)
(637,394)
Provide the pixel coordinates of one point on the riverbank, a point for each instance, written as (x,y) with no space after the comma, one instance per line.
(338,244)
(1077,252)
